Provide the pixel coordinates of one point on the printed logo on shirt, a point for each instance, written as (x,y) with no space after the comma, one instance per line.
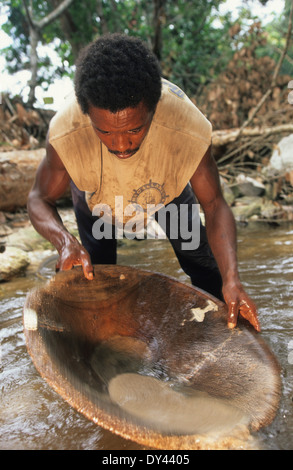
(150,193)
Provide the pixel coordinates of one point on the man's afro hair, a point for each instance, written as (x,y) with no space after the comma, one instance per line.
(116,72)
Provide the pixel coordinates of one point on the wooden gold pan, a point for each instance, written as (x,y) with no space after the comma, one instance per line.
(149,358)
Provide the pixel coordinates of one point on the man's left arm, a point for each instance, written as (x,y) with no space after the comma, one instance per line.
(221,233)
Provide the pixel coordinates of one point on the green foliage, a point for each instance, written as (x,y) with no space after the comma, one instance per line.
(194,49)
(195,43)
(276,37)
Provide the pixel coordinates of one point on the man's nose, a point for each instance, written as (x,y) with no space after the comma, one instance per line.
(121,143)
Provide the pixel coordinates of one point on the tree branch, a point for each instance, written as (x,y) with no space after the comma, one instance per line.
(53,15)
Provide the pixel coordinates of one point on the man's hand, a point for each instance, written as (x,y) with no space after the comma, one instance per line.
(239,302)
(74,254)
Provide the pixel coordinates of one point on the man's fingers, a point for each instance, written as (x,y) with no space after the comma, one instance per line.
(68,263)
(75,254)
(232,314)
(238,302)
(88,271)
(249,313)
(64,265)
(87,266)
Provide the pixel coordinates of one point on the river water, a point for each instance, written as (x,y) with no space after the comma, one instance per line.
(33,416)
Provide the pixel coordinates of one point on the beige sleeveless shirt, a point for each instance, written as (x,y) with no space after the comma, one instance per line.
(176,142)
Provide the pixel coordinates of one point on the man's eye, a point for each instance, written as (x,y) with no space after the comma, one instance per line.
(135,131)
(103,132)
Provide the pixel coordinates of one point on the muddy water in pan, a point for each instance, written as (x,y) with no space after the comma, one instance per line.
(33,416)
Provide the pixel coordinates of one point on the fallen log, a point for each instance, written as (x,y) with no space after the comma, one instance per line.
(17,173)
(227,136)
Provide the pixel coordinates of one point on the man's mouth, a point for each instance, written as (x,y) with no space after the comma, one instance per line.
(124,155)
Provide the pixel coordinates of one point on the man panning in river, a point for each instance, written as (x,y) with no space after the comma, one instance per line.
(127,132)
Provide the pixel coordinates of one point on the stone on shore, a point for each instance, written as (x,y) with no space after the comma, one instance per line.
(247,186)
(13,262)
(282,157)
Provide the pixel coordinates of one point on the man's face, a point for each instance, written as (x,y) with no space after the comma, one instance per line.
(124,131)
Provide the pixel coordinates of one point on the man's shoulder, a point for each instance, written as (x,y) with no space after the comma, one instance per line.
(177,112)
(69,118)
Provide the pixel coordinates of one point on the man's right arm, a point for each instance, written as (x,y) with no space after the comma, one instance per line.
(51,182)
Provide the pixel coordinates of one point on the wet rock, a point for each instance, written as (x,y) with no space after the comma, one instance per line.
(275,213)
(247,186)
(27,239)
(13,262)
(270,210)
(24,248)
(246,207)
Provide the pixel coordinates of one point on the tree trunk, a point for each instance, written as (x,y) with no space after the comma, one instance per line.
(34,39)
(159,13)
(35,28)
